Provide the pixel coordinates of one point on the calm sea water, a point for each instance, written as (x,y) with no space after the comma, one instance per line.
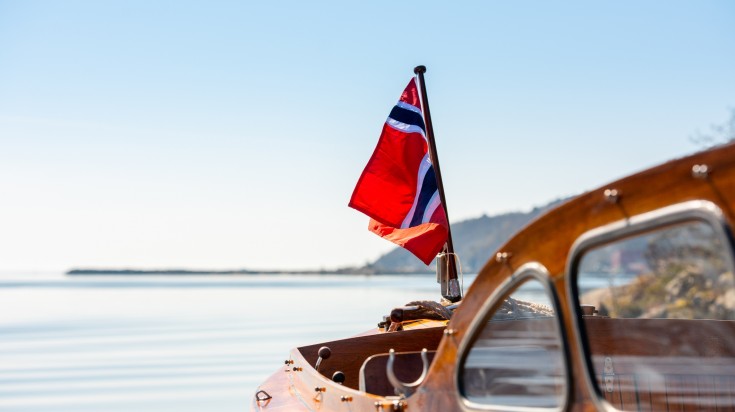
(173,343)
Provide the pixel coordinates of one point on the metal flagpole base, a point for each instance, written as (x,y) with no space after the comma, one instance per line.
(446,276)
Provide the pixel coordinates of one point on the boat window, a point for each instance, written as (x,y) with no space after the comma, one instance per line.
(657,313)
(515,358)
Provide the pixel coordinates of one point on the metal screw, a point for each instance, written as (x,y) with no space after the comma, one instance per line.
(502,257)
(288,362)
(399,406)
(700,171)
(297,369)
(612,195)
(320,389)
(346,398)
(608,366)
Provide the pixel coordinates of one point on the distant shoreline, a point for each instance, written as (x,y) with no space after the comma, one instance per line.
(475,239)
(145,272)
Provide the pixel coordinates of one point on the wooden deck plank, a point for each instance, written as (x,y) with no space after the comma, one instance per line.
(673,394)
(628,390)
(643,387)
(689,393)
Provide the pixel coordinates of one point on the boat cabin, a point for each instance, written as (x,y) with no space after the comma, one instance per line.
(622,298)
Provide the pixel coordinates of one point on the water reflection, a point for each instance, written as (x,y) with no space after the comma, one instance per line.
(192,343)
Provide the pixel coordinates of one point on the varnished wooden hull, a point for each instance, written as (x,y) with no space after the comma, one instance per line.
(548,242)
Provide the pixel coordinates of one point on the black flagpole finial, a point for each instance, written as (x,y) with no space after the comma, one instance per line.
(419,69)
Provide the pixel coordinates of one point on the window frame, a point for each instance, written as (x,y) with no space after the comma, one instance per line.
(528,271)
(691,211)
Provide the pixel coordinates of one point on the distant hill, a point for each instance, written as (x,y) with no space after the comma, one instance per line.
(475,240)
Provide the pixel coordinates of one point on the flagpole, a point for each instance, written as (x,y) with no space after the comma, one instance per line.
(450,290)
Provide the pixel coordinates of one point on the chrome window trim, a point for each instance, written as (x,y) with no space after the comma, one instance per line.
(690,211)
(532,270)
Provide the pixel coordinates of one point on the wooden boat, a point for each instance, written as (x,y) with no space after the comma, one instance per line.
(622,298)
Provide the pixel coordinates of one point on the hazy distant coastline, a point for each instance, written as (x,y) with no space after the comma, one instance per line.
(365,270)
(475,240)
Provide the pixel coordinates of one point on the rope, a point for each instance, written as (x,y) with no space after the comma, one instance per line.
(428,309)
(517,309)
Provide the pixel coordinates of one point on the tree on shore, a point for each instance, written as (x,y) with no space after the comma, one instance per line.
(717,134)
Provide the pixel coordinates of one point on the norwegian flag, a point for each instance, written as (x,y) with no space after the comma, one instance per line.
(398,188)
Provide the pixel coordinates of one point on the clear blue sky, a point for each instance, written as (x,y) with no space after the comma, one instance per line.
(230,134)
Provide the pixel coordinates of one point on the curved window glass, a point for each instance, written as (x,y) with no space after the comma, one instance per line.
(515,358)
(658,313)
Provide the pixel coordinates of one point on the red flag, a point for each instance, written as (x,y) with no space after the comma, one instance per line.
(398,188)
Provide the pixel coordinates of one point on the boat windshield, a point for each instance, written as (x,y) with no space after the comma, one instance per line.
(515,359)
(660,318)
